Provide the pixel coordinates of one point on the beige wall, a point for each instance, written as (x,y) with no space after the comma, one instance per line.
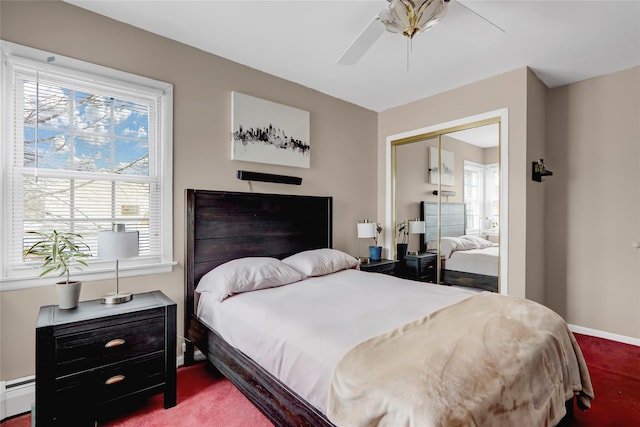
(340,133)
(491,155)
(507,90)
(536,142)
(593,202)
(412,182)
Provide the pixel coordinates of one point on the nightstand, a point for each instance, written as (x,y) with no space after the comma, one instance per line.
(93,359)
(420,267)
(384,266)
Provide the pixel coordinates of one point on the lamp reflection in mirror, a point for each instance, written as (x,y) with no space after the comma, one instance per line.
(416,227)
(117,244)
(366,230)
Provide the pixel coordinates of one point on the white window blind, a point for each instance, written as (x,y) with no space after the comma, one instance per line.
(84,151)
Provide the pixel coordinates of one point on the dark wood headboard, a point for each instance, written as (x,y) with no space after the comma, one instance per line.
(453,221)
(222,225)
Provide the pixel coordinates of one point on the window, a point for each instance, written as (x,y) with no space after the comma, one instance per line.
(492,198)
(473,196)
(481,197)
(86,147)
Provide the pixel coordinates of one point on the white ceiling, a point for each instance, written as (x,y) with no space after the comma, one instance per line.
(562,41)
(483,136)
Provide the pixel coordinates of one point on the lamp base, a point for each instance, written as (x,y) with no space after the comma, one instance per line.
(116,297)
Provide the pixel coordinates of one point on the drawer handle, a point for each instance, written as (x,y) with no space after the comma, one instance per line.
(114,343)
(114,380)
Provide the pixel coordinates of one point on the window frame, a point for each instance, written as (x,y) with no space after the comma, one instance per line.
(15,56)
(484,186)
(489,169)
(479,170)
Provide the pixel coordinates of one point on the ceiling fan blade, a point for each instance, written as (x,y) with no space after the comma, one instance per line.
(362,43)
(480,16)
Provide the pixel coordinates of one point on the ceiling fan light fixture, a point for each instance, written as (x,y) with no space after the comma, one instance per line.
(411,17)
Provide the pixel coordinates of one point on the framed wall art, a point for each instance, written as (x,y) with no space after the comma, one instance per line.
(447,167)
(268,132)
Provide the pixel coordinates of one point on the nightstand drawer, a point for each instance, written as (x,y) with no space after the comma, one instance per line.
(384,266)
(425,268)
(98,386)
(106,345)
(421,267)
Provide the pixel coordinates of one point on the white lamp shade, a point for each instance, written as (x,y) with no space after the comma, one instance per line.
(366,230)
(416,227)
(116,245)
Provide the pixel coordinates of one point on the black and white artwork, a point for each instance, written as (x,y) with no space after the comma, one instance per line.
(447,167)
(268,132)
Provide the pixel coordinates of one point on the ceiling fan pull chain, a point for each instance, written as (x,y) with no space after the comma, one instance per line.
(408,52)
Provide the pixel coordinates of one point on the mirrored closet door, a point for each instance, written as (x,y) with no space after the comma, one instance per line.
(446,205)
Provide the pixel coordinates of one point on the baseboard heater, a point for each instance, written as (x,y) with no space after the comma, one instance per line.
(269,177)
(17,396)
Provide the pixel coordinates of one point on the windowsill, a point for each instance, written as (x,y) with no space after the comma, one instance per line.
(34,281)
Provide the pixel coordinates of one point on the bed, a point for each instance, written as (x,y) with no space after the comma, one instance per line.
(221,227)
(474,264)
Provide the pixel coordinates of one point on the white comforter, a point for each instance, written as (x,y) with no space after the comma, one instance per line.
(299,332)
(478,261)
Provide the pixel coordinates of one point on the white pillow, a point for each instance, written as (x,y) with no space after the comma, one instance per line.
(318,262)
(448,245)
(247,274)
(479,241)
(432,245)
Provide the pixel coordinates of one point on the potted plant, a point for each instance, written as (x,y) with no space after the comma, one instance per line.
(401,245)
(58,252)
(375,251)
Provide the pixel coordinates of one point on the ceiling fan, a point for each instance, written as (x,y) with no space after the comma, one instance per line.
(406,17)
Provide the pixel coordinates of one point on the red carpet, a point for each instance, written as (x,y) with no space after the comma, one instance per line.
(615,375)
(204,399)
(222,406)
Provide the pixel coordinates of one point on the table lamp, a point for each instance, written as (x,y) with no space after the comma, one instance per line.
(366,230)
(115,245)
(416,227)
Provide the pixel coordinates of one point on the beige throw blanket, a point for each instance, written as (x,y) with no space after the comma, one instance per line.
(489,360)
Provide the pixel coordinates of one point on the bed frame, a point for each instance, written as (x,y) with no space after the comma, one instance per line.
(221,226)
(453,225)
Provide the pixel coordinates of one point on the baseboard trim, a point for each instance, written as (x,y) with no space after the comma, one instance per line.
(606,335)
